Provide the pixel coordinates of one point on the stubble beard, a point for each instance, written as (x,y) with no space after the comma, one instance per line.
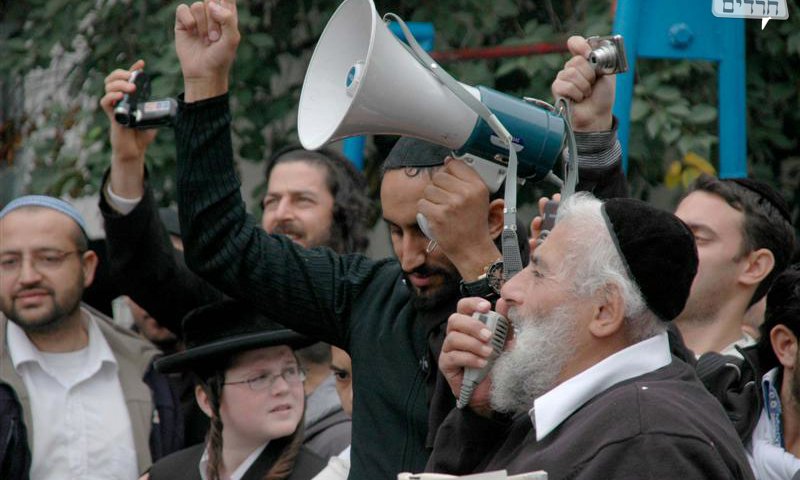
(52,320)
(698,311)
(447,291)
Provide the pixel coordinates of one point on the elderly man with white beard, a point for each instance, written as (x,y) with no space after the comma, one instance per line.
(588,388)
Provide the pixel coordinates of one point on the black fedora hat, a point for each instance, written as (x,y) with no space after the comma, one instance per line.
(217,331)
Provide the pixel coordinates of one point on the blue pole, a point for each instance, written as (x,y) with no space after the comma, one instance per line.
(627,24)
(354,150)
(732,98)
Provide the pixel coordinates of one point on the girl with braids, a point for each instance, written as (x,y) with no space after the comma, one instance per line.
(250,384)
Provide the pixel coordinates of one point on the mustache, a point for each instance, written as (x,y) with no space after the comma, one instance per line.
(427,271)
(37,289)
(289,228)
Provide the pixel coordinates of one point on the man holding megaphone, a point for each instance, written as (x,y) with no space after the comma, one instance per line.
(388,315)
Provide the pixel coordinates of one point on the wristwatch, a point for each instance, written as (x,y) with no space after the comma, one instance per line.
(487,285)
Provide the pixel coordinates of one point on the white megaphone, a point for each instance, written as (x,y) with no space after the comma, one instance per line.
(362,80)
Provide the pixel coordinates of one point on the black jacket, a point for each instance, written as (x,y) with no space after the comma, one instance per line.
(184,465)
(736,383)
(145,266)
(15,456)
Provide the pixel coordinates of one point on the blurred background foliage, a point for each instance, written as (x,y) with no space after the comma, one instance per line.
(56,54)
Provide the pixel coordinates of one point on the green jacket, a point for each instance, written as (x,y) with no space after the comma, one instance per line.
(350,301)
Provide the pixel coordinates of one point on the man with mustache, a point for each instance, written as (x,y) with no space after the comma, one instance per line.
(588,388)
(315,198)
(90,402)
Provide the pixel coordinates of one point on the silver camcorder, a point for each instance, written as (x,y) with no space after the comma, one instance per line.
(134,111)
(608,54)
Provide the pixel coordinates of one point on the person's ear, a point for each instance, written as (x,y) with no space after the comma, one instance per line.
(608,312)
(784,344)
(758,264)
(89,263)
(496,217)
(202,400)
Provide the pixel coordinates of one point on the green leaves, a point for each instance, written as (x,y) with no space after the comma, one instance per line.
(672,117)
(674,108)
(702,114)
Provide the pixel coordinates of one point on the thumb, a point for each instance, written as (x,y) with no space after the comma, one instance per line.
(579,46)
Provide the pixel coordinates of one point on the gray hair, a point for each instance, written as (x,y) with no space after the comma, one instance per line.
(594,264)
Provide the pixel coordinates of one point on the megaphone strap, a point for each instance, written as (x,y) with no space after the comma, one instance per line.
(564,108)
(512,260)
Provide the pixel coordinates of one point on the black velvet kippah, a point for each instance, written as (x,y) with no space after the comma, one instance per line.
(659,251)
(412,152)
(767,193)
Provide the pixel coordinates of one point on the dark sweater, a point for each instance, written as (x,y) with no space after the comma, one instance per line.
(349,301)
(661,425)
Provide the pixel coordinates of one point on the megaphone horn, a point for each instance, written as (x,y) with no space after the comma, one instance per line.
(363,81)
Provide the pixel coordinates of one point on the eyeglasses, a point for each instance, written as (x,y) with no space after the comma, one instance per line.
(292,376)
(43,261)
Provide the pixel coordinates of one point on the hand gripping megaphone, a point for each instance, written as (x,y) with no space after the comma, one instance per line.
(362,80)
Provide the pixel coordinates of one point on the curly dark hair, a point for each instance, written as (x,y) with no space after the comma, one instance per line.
(352,207)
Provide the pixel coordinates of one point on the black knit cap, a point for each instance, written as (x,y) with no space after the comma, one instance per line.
(412,152)
(659,251)
(215,332)
(768,193)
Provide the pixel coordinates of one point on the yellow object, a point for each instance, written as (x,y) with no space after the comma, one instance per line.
(687,170)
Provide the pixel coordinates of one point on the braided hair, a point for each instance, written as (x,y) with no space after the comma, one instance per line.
(213,389)
(212,384)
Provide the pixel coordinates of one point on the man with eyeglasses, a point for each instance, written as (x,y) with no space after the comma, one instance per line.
(80,394)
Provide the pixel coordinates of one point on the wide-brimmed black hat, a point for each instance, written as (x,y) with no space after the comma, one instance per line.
(216,331)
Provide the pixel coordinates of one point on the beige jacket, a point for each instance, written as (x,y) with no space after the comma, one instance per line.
(134,356)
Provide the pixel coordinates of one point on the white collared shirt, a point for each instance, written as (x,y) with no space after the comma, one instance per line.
(558,404)
(766,451)
(240,470)
(81,426)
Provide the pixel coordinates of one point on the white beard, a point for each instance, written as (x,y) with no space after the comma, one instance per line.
(544,344)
